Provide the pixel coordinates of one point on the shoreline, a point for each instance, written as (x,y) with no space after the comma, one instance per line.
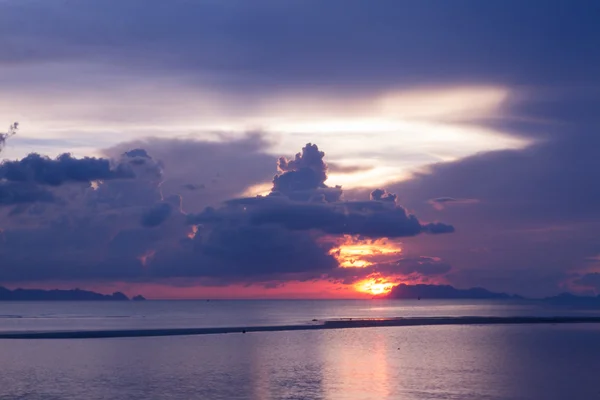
(348,323)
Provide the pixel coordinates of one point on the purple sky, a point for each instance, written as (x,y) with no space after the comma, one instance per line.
(477,121)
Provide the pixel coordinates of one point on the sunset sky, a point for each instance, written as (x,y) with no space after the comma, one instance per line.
(300,149)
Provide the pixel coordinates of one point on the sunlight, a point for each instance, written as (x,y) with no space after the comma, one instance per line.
(260,189)
(375,286)
(356,253)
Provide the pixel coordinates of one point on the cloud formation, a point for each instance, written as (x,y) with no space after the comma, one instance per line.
(65,168)
(132,228)
(301,201)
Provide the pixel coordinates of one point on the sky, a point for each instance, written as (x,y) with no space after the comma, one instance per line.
(301,148)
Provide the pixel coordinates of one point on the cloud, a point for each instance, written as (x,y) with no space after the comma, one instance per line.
(65,168)
(136,230)
(156,215)
(193,186)
(405,269)
(300,200)
(303,178)
(368,219)
(382,195)
(246,254)
(12,130)
(437,227)
(347,169)
(12,193)
(440,203)
(210,171)
(365,44)
(537,211)
(34,178)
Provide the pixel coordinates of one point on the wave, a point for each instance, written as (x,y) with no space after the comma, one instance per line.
(329,324)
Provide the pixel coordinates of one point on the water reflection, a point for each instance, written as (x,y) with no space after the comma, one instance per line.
(356,365)
(414,363)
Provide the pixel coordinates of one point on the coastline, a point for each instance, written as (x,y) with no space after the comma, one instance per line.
(348,323)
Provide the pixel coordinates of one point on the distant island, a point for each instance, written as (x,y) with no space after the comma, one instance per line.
(61,295)
(404,291)
(573,300)
(440,292)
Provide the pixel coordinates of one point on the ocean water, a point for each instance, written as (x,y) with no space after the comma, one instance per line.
(426,362)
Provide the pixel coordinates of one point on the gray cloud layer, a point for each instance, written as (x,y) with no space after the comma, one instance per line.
(234,44)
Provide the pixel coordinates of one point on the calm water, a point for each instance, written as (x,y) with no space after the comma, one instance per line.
(430,362)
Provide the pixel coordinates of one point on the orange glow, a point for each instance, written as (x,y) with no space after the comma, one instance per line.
(193,232)
(355,253)
(375,286)
(174,289)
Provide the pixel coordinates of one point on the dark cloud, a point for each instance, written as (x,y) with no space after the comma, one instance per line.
(383,195)
(303,178)
(352,218)
(437,227)
(12,193)
(443,200)
(65,168)
(246,254)
(192,186)
(12,130)
(26,181)
(440,203)
(156,215)
(134,230)
(366,46)
(137,153)
(299,201)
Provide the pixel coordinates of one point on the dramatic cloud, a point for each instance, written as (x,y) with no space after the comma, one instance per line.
(300,200)
(303,178)
(132,230)
(43,170)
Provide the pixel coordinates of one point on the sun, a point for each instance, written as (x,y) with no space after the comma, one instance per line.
(375,286)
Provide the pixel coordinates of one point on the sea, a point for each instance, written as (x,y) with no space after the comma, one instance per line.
(463,361)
